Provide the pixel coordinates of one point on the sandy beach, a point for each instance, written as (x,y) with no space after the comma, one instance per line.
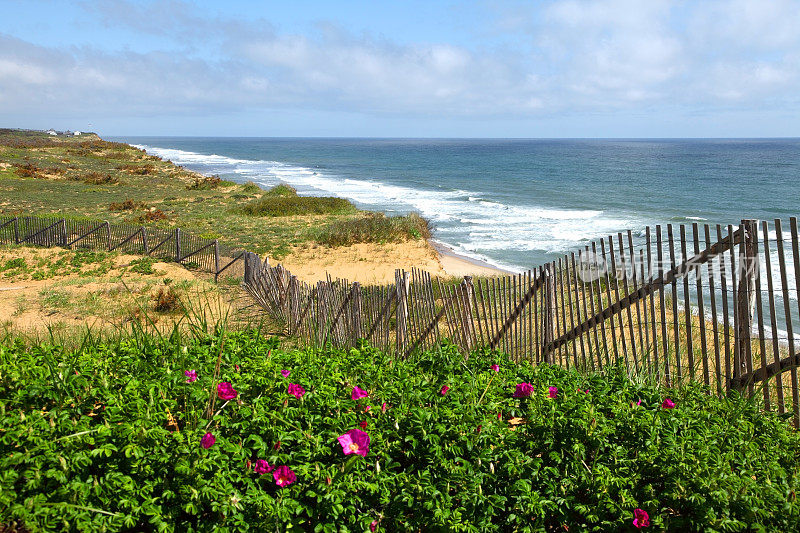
(369,263)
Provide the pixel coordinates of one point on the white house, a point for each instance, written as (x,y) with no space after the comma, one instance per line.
(76,133)
(52,132)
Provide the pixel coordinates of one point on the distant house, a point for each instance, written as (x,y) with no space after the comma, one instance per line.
(76,133)
(52,132)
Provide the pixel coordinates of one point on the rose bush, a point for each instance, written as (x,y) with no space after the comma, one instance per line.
(114,437)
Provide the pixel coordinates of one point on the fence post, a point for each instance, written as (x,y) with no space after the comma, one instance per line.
(16,230)
(64,232)
(144,240)
(177,245)
(108,235)
(357,305)
(549,311)
(469,325)
(746,297)
(216,259)
(401,285)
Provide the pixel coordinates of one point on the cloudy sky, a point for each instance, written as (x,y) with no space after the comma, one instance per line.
(404,68)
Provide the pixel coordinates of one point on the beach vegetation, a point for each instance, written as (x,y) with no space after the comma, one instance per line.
(287,205)
(228,429)
(372,228)
(82,177)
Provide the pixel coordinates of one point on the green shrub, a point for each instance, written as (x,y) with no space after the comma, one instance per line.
(108,438)
(372,227)
(250,188)
(208,183)
(281,190)
(142,266)
(284,206)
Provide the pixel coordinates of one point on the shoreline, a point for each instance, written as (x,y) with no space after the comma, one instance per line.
(455,264)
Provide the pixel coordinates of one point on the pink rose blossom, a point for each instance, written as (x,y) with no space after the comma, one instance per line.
(523,390)
(444,390)
(668,404)
(355,441)
(296,390)
(285,373)
(262,467)
(552,393)
(226,391)
(191,376)
(284,476)
(358,393)
(384,407)
(641,518)
(207,441)
(496,368)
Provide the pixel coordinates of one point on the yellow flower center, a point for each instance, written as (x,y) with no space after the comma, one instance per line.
(353,447)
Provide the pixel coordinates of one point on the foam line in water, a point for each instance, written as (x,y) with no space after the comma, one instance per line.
(471,222)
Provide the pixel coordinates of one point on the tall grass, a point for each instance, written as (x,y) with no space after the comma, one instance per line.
(372,228)
(284,206)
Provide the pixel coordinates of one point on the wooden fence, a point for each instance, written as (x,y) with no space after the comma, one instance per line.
(715,304)
(165,244)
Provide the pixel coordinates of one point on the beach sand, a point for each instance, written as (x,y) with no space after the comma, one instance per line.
(370,263)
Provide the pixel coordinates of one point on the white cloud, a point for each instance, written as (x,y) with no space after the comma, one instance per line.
(570,55)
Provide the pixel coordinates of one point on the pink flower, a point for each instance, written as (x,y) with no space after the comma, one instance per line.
(496,368)
(499,416)
(444,390)
(355,441)
(384,407)
(640,518)
(363,424)
(262,467)
(207,441)
(668,404)
(523,390)
(552,392)
(358,393)
(637,403)
(296,390)
(226,391)
(237,368)
(191,376)
(373,526)
(284,476)
(285,373)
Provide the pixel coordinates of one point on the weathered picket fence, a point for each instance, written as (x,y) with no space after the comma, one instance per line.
(165,244)
(712,304)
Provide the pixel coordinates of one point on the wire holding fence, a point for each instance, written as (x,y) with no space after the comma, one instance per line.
(166,244)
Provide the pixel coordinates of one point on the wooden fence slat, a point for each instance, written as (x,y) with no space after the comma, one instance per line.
(687,307)
(675,315)
(714,318)
(760,313)
(612,254)
(788,314)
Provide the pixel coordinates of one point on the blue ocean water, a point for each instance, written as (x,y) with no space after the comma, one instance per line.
(518,203)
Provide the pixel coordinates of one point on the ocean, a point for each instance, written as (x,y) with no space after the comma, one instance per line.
(518,203)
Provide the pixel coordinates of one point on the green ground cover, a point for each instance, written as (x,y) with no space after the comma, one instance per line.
(88,177)
(115,436)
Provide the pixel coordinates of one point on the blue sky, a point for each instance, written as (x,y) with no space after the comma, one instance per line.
(554,68)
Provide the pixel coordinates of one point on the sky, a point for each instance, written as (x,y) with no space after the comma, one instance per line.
(503,68)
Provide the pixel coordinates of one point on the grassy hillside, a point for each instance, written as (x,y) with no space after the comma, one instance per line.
(88,177)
